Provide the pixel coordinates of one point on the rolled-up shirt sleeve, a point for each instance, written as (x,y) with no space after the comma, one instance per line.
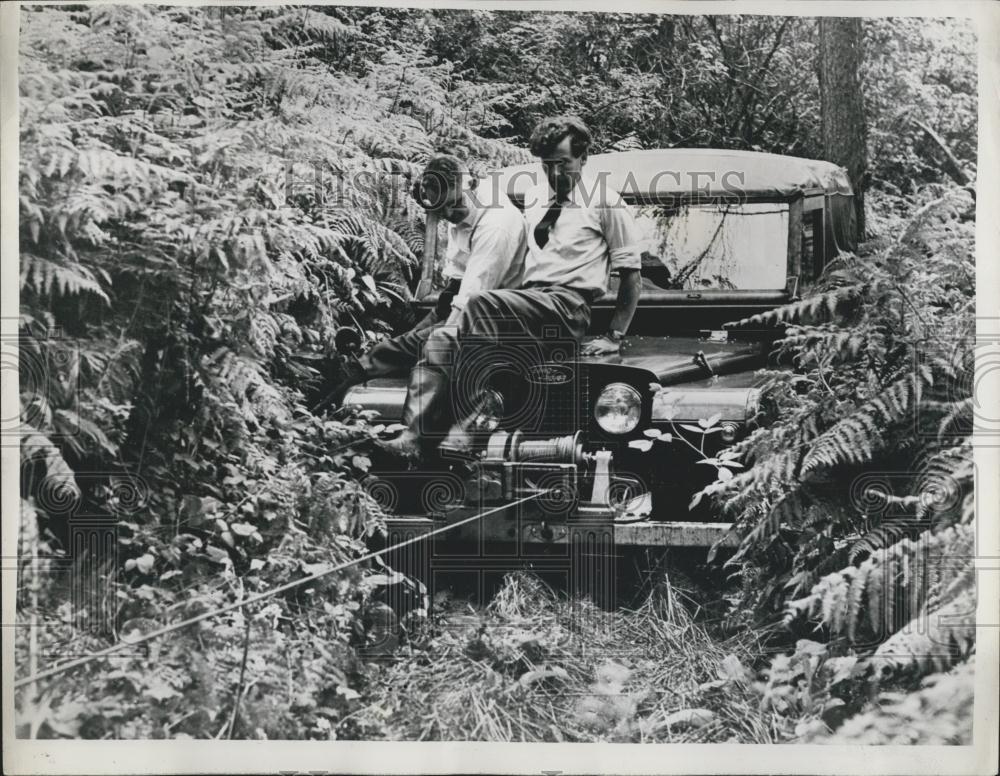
(622,234)
(496,244)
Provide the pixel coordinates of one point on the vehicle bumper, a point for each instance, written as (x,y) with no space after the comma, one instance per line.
(510,531)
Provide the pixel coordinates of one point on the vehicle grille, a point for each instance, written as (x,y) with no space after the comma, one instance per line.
(547,409)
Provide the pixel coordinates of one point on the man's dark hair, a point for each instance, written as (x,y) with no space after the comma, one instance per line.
(441,172)
(550,132)
(447,166)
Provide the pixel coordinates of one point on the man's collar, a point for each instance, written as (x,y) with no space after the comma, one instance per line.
(476,207)
(473,214)
(546,190)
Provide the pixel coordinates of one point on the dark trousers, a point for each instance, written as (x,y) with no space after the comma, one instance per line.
(532,322)
(398,355)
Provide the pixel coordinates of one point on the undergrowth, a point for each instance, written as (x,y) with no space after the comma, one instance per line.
(207,195)
(536,666)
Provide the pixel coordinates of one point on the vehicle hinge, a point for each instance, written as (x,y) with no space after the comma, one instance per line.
(702,362)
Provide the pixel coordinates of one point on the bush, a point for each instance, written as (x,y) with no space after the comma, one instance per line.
(856,518)
(207,194)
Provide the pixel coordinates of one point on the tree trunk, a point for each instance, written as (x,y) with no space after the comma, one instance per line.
(842,109)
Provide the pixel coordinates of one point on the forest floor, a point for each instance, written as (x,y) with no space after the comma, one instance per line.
(533,665)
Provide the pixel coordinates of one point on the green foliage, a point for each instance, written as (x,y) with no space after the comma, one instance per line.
(207,194)
(909,579)
(939,713)
(918,70)
(645,80)
(857,512)
(653,80)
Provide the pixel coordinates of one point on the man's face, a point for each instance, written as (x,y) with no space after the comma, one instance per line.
(455,208)
(562,168)
(447,197)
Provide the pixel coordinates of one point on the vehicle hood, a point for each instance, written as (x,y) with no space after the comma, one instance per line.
(672,359)
(669,360)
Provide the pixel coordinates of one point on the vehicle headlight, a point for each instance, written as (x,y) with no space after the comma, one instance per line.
(618,408)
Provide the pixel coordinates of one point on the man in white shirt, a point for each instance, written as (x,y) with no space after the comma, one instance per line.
(486,244)
(579,232)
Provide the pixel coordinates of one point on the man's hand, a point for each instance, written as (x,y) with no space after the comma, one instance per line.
(601,346)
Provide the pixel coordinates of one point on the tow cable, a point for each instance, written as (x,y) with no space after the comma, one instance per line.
(76,663)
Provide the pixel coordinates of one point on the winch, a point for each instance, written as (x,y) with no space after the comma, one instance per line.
(513,465)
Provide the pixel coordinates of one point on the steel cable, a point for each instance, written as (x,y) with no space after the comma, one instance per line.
(54,671)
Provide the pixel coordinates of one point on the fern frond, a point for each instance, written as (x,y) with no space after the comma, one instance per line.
(960,414)
(946,479)
(911,577)
(851,441)
(829,343)
(804,310)
(879,539)
(855,439)
(934,639)
(47,277)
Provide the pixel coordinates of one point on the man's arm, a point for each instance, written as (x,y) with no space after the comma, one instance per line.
(622,236)
(629,288)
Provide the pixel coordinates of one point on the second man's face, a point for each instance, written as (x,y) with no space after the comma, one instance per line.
(455,207)
(562,168)
(445,197)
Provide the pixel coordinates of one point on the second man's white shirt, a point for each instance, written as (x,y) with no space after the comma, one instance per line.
(487,248)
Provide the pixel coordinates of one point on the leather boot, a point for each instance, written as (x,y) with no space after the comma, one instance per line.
(406,445)
(459,444)
(464,439)
(423,411)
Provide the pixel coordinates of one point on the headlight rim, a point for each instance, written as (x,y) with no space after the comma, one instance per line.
(634,394)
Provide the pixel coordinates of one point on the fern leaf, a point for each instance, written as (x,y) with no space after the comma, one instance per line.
(935,638)
(874,577)
(47,277)
(802,310)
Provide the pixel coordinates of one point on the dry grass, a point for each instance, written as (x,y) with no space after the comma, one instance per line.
(535,667)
